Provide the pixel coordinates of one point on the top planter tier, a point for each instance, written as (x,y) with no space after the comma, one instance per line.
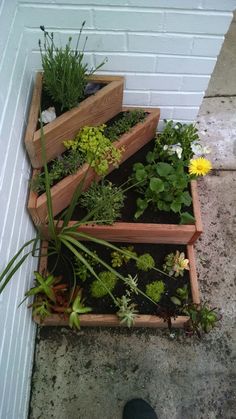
(93,111)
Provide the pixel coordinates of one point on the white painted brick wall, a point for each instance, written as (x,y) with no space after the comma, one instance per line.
(166,50)
(16,328)
(165,46)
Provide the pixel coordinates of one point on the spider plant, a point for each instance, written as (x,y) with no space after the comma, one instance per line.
(67,236)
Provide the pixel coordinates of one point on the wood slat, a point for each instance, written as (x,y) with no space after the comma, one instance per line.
(95,110)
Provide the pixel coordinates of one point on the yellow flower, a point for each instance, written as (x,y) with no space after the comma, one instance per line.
(200,166)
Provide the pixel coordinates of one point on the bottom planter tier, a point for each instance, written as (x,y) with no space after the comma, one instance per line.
(142,319)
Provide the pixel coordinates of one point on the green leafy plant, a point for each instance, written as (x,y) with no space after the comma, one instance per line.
(81,270)
(96,148)
(164,186)
(127,121)
(175,142)
(127,310)
(181,296)
(118,258)
(66,164)
(104,284)
(132,284)
(155,290)
(202,318)
(41,307)
(44,286)
(175,264)
(106,199)
(145,262)
(65,72)
(77,308)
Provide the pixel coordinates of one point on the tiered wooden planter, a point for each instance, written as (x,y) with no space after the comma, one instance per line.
(144,232)
(63,191)
(93,111)
(111,320)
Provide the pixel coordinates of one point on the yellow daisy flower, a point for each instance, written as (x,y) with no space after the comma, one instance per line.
(200,166)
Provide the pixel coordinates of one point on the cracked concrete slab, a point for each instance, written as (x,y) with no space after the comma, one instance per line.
(92,373)
(217,129)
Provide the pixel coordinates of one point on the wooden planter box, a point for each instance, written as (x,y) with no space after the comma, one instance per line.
(149,233)
(63,191)
(112,320)
(93,111)
(145,232)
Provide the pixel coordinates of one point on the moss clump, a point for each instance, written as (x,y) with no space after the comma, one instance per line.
(145,262)
(155,290)
(101,287)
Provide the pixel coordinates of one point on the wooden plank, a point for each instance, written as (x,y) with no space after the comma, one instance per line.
(141,232)
(33,117)
(63,191)
(196,212)
(95,110)
(193,275)
(111,320)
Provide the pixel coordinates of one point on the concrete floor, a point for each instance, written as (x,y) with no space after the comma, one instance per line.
(90,374)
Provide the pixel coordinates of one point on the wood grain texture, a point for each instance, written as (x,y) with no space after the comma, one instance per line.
(94,110)
(111,320)
(33,119)
(193,275)
(63,191)
(143,232)
(196,212)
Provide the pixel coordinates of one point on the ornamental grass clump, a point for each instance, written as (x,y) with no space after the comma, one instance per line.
(65,72)
(106,201)
(128,120)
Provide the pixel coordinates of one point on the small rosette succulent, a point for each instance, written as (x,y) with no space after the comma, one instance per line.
(175,264)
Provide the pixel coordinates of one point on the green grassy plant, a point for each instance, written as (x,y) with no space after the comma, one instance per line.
(128,120)
(65,70)
(106,199)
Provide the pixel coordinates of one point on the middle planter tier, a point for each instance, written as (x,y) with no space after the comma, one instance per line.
(138,232)
(63,191)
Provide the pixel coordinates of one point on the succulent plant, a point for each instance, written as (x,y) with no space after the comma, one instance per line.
(145,262)
(175,264)
(127,310)
(105,284)
(155,289)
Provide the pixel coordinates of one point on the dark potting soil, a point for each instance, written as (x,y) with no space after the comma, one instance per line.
(47,101)
(105,305)
(118,177)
